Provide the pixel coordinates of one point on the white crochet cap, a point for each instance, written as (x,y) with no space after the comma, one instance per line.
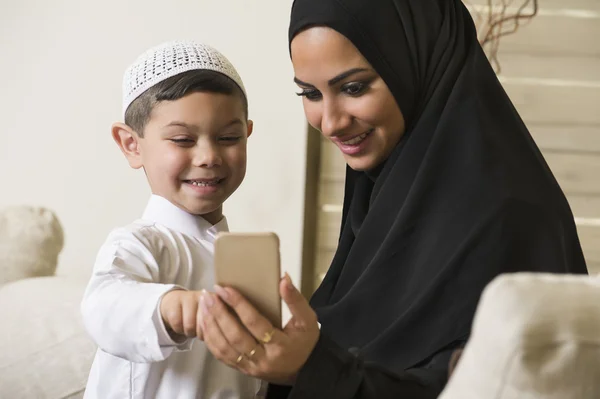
(169,59)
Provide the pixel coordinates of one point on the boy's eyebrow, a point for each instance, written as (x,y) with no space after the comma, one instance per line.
(335,80)
(181,124)
(235,121)
(193,128)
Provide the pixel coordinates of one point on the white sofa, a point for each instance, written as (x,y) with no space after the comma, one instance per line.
(44,351)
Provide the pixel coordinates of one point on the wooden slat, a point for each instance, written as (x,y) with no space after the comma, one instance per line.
(577,173)
(591,5)
(555,104)
(328,230)
(549,66)
(590,243)
(571,28)
(553,34)
(331,192)
(593,268)
(574,138)
(324,259)
(333,165)
(585,206)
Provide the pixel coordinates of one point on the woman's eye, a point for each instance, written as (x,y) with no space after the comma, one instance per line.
(310,94)
(354,88)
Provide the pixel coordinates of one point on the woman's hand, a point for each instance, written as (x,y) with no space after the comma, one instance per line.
(251,344)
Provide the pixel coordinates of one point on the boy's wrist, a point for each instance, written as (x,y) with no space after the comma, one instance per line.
(169,339)
(162,306)
(177,338)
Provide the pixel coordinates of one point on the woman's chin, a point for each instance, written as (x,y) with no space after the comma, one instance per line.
(363,163)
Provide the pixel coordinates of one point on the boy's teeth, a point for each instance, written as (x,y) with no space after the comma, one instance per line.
(203,183)
(355,140)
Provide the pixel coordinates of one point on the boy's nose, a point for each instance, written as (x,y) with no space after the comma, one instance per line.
(207,156)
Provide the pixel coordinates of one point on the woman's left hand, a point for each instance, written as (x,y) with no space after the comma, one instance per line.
(253,345)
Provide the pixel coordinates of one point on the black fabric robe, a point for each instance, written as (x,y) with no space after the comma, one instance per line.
(465,196)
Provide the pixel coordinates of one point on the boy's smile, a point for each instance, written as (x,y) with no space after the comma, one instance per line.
(204,186)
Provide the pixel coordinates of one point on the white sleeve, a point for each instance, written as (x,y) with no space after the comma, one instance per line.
(120,307)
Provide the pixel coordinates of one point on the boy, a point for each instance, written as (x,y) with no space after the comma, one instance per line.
(186,124)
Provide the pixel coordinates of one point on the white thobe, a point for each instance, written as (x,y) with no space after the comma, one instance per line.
(166,249)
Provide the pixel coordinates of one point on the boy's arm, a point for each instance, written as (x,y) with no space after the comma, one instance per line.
(121,305)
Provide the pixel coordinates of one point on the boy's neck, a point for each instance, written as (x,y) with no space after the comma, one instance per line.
(211,218)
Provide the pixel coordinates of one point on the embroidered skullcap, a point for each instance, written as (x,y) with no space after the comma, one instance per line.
(169,59)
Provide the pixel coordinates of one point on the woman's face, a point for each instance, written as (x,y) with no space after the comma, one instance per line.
(345,98)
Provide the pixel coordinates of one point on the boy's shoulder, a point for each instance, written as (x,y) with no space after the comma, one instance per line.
(149,234)
(143,233)
(149,241)
(137,227)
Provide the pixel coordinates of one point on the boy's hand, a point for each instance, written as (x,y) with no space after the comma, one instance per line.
(182,314)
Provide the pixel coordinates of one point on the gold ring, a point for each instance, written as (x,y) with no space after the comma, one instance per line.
(252,352)
(239,359)
(268,337)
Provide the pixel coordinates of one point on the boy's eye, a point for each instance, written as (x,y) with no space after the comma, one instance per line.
(230,139)
(182,141)
(310,94)
(354,88)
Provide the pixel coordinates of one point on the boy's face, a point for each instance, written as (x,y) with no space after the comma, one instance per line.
(194,151)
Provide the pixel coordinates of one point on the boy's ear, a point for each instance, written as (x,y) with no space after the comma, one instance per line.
(128,142)
(250,127)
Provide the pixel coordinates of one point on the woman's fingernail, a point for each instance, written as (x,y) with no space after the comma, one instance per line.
(222,292)
(289,285)
(207,298)
(203,306)
(205,310)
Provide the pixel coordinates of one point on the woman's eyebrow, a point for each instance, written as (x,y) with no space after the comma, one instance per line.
(335,80)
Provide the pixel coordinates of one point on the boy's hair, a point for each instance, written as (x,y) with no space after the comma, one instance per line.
(138,112)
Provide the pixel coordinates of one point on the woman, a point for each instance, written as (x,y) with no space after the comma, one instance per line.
(445,189)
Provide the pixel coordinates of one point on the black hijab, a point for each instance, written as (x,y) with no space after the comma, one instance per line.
(465,196)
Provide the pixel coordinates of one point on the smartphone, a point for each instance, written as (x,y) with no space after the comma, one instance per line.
(250,263)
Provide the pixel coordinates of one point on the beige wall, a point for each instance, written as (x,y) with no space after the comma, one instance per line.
(61,67)
(551,71)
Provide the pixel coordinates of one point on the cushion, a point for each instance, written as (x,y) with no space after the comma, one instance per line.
(534,336)
(30,240)
(45,352)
